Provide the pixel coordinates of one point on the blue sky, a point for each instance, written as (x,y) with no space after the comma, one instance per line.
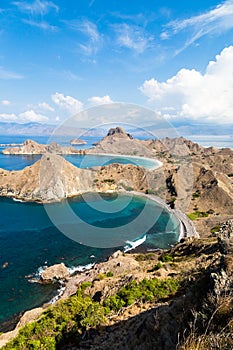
(60,57)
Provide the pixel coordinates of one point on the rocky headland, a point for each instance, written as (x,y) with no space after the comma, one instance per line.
(32,147)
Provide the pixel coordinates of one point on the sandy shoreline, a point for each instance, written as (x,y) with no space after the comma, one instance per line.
(187,229)
(158,165)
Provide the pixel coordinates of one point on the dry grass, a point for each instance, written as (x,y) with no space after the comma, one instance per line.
(212,327)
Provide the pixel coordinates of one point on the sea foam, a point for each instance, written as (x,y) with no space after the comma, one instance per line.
(130,245)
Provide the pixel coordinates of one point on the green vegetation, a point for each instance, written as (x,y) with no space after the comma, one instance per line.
(112,181)
(95,180)
(144,257)
(101,276)
(197,214)
(230,175)
(166,258)
(109,274)
(68,320)
(145,291)
(156,267)
(196,195)
(215,229)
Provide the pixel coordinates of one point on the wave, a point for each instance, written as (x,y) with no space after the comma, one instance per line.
(80,268)
(130,245)
(17,200)
(59,294)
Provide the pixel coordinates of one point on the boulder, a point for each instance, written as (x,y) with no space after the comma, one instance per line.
(55,273)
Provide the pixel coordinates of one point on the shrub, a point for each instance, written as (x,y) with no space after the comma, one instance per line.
(215,229)
(109,181)
(109,274)
(144,257)
(166,258)
(197,214)
(101,276)
(146,290)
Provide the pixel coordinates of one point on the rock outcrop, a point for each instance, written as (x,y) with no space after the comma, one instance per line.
(119,132)
(55,273)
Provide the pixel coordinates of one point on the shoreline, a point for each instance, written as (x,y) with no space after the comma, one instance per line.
(130,156)
(186,229)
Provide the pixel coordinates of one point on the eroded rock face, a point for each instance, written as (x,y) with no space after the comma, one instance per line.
(55,273)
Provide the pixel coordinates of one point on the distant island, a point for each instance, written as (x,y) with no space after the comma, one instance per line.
(75,142)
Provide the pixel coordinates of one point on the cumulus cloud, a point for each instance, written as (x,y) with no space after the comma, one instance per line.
(68,103)
(8,116)
(45,106)
(32,116)
(98,100)
(5,102)
(191,94)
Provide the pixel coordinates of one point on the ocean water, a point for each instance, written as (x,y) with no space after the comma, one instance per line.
(30,241)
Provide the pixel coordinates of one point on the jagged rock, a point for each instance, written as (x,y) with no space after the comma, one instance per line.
(56,272)
(118,131)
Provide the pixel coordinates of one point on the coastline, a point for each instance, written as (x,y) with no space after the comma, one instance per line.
(186,229)
(130,156)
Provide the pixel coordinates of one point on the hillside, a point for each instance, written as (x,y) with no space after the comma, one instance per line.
(177,299)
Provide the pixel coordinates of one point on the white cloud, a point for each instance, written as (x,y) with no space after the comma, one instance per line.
(191,94)
(133,37)
(32,116)
(8,116)
(38,7)
(5,102)
(93,39)
(217,21)
(9,75)
(45,106)
(97,100)
(67,102)
(41,24)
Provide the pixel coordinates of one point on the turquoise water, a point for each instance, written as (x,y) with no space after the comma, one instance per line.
(29,240)
(18,162)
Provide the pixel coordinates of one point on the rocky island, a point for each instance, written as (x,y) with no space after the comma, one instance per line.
(77,142)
